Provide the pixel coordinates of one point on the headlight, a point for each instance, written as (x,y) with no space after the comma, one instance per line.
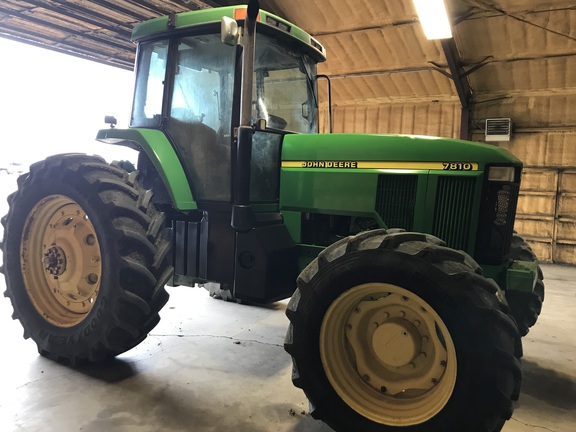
(501,173)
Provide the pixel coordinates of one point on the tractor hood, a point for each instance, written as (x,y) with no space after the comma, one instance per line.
(411,151)
(417,183)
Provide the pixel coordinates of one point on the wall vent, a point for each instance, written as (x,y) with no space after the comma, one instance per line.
(498,129)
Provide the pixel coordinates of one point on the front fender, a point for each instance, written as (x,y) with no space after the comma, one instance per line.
(156,145)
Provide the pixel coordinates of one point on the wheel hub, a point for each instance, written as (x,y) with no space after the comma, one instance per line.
(55,261)
(396,351)
(396,343)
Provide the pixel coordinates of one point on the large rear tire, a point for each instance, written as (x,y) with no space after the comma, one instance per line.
(525,307)
(395,332)
(85,258)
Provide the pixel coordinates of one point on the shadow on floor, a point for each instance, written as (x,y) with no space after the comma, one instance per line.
(554,388)
(112,371)
(162,406)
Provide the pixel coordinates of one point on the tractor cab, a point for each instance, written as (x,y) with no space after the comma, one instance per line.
(215,156)
(189,85)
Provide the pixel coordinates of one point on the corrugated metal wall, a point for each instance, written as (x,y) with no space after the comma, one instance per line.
(544,138)
(437,119)
(530,78)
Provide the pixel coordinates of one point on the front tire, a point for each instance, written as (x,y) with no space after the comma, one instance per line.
(85,259)
(394,331)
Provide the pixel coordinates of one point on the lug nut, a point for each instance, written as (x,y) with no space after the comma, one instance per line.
(92,278)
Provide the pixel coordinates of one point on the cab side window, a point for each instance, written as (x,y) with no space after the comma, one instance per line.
(147,107)
(200,114)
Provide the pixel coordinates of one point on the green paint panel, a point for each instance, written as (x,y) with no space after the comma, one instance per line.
(522,276)
(514,275)
(182,20)
(214,15)
(344,192)
(350,147)
(293,222)
(162,155)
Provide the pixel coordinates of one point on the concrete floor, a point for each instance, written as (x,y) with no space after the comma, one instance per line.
(216,366)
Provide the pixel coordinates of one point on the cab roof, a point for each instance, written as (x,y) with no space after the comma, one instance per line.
(166,24)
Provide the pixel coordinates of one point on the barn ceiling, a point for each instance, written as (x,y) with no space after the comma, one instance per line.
(377,52)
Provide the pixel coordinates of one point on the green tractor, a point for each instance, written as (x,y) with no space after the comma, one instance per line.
(410,289)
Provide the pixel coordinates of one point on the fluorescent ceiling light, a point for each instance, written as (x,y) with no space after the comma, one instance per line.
(434,18)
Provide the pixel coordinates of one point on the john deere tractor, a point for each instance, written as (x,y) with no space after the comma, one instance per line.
(410,289)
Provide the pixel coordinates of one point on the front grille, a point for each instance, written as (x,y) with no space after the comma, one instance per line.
(496,223)
(396,199)
(453,210)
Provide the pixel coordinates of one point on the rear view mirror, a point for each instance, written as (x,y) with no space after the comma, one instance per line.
(229,31)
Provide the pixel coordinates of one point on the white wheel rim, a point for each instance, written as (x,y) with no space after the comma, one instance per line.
(61,260)
(388,354)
